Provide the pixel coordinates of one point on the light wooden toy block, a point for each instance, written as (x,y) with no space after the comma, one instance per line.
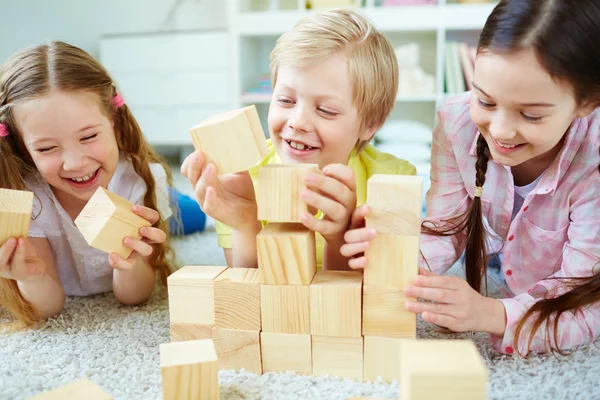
(238,349)
(237,299)
(381,359)
(77,390)
(286,254)
(285,309)
(393,260)
(15,213)
(189,370)
(335,304)
(234,141)
(107,219)
(191,302)
(442,369)
(384,313)
(286,352)
(337,356)
(396,204)
(279,191)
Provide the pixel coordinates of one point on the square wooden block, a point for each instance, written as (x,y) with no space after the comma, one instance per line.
(335,304)
(15,213)
(393,260)
(442,369)
(238,349)
(107,219)
(396,204)
(189,370)
(279,191)
(237,299)
(335,356)
(381,359)
(286,254)
(191,295)
(286,352)
(79,389)
(181,332)
(285,309)
(384,313)
(234,141)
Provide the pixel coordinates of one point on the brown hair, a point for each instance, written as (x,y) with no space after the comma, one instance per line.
(33,73)
(564,36)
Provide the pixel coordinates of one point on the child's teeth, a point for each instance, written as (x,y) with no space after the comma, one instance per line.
(85,178)
(299,146)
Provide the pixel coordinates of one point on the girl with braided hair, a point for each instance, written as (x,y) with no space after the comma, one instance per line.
(515,172)
(64,132)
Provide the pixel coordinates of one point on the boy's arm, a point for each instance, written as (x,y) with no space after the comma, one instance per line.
(332,257)
(244,252)
(45,294)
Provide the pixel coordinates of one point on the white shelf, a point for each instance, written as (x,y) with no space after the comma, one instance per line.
(265,98)
(387,19)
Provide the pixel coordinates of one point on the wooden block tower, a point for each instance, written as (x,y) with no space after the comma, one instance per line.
(107,219)
(234,141)
(395,203)
(15,213)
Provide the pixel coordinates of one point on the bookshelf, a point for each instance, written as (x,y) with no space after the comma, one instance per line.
(254,26)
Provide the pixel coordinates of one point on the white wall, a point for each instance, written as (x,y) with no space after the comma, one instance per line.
(82,22)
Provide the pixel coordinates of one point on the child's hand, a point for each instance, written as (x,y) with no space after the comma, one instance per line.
(142,247)
(334,193)
(229,198)
(19,261)
(456,305)
(358,238)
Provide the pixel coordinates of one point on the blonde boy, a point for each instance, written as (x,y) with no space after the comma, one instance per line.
(335,79)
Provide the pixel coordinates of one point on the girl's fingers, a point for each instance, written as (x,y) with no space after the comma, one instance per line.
(438,295)
(6,251)
(154,235)
(435,308)
(360,235)
(148,214)
(19,254)
(139,246)
(358,263)
(445,321)
(437,281)
(426,272)
(118,262)
(353,249)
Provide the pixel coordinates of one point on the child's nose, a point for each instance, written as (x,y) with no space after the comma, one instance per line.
(502,128)
(300,121)
(73,161)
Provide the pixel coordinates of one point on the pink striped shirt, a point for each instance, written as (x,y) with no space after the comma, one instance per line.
(556,233)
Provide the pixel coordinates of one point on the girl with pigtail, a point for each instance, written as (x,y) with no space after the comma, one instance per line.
(64,131)
(516,173)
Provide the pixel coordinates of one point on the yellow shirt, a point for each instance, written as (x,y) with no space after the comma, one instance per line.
(365,164)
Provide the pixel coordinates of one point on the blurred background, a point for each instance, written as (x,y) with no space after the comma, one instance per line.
(178,62)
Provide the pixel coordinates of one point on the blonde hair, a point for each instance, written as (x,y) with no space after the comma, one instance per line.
(372,63)
(35,72)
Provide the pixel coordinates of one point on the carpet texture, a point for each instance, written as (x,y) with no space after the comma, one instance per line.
(117,347)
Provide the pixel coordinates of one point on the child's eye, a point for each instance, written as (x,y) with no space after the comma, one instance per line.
(90,137)
(284,101)
(46,149)
(483,104)
(531,118)
(327,112)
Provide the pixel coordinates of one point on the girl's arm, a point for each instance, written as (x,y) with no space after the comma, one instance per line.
(45,293)
(134,286)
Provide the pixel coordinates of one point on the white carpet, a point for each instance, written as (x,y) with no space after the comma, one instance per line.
(117,347)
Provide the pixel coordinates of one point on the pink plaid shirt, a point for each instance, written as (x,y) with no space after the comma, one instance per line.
(556,233)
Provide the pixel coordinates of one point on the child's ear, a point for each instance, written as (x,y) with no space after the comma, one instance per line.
(587,107)
(368,133)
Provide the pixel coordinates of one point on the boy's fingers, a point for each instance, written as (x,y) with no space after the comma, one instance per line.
(360,235)
(352,249)
(358,216)
(358,263)
(341,173)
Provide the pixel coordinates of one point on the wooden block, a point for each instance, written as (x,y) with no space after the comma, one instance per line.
(381,358)
(335,304)
(396,204)
(286,254)
(285,309)
(442,369)
(189,370)
(15,213)
(234,141)
(384,313)
(393,261)
(191,295)
(181,332)
(79,389)
(286,352)
(238,349)
(107,219)
(279,191)
(335,356)
(237,299)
